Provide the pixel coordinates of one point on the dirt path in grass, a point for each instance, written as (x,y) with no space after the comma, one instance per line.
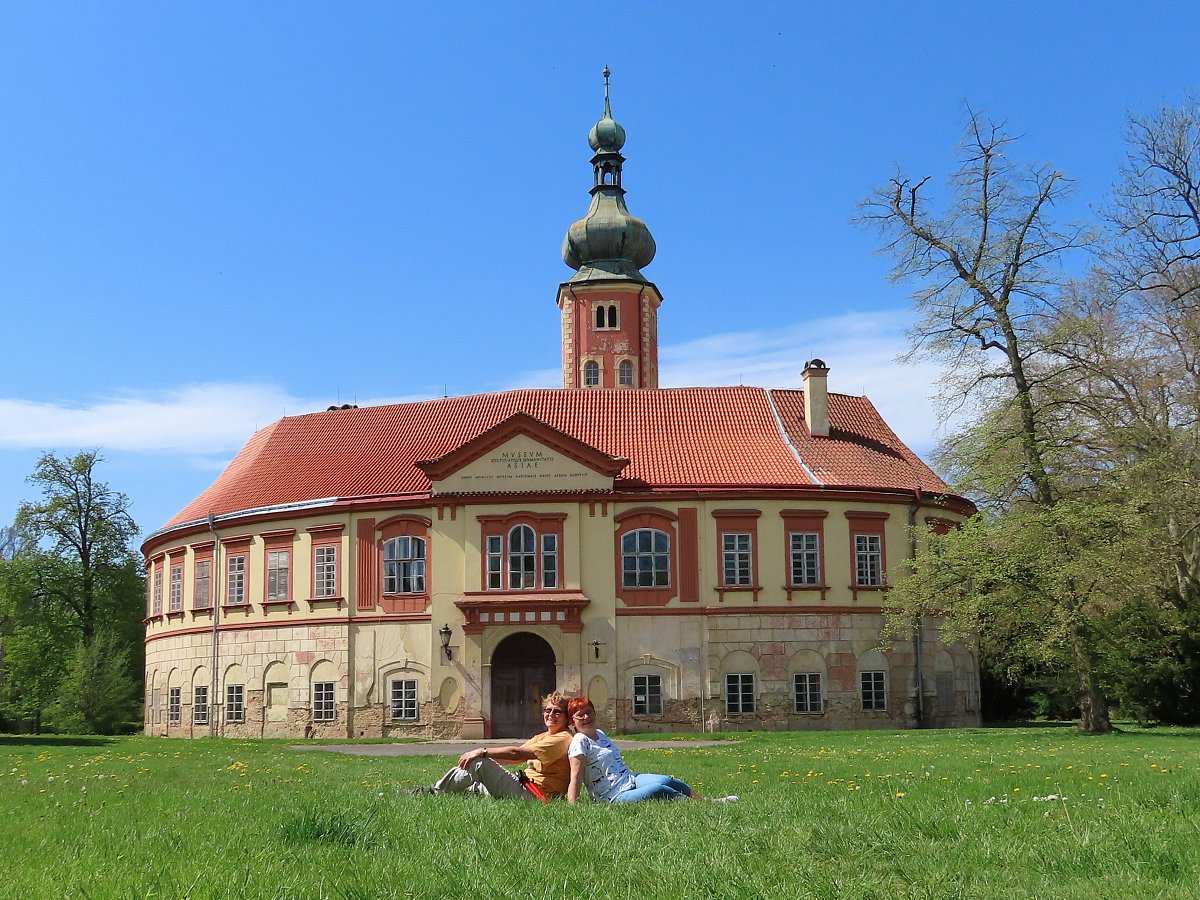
(457,748)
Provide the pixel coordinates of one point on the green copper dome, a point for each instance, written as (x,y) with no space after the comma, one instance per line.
(608,242)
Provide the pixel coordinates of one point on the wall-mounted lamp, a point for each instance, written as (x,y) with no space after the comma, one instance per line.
(595,649)
(445,634)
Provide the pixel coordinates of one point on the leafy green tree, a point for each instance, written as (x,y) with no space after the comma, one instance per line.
(36,642)
(71,578)
(86,525)
(1083,443)
(987,277)
(97,693)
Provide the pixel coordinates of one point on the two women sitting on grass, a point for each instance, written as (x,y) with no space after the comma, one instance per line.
(559,763)
(596,765)
(546,777)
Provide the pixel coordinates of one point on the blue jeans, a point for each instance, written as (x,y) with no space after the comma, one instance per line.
(654,787)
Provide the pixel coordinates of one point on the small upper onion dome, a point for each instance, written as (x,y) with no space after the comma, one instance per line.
(607,135)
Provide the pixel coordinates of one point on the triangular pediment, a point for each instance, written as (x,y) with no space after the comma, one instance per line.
(522,455)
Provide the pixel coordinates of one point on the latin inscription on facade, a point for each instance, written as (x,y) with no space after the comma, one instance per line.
(523,464)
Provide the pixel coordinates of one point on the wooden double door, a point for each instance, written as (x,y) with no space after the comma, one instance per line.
(522,674)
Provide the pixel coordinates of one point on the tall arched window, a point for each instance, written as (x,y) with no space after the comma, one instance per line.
(591,374)
(404,565)
(645,558)
(625,373)
(523,557)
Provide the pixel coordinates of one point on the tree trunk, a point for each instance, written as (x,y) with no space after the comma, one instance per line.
(1093,708)
(1093,712)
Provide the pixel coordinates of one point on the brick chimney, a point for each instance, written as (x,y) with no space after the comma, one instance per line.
(816,397)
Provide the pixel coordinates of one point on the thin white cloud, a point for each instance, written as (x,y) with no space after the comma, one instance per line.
(195,419)
(207,423)
(861,349)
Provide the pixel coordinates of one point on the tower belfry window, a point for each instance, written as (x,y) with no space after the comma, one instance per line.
(607,317)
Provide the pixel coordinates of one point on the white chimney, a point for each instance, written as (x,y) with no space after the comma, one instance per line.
(816,397)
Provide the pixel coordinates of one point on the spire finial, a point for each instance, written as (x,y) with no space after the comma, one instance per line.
(607,109)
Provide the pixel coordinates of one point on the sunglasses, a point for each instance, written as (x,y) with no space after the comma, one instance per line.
(551,711)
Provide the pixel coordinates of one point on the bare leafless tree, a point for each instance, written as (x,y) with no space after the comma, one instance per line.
(987,275)
(1155,209)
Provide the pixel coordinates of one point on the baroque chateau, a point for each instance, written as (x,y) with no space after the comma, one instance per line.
(690,558)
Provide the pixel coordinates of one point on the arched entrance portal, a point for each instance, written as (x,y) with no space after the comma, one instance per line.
(522,673)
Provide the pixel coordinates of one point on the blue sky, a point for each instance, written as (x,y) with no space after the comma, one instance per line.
(213,215)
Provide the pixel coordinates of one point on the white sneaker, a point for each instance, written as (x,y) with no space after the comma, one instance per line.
(732,798)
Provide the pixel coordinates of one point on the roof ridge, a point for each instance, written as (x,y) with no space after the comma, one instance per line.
(787,439)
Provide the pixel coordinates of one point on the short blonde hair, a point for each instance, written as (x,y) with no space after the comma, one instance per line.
(557,698)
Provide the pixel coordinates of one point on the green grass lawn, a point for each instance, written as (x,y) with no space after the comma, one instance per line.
(1024,812)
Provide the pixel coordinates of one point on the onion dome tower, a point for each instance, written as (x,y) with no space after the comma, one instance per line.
(609,309)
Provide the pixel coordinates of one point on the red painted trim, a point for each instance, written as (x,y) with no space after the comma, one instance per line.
(621,518)
(753,610)
(265,625)
(403,526)
(737,521)
(391,525)
(689,555)
(632,520)
(623,492)
(570,604)
(367,581)
(804,520)
(321,536)
(331,530)
(502,526)
(314,602)
(867,522)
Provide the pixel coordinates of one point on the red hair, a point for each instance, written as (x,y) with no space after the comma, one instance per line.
(578,703)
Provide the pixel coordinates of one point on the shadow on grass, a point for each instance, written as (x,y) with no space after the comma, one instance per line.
(55,740)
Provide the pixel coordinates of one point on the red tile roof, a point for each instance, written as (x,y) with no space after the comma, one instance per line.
(674,438)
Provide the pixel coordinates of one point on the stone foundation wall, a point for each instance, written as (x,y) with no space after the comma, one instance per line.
(692,656)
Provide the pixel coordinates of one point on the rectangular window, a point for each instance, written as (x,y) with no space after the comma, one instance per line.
(739,693)
(647,695)
(158,588)
(873,690)
(549,560)
(735,548)
(324,707)
(174,705)
(279,569)
(403,707)
(805,558)
(235,709)
(176,595)
(235,585)
(325,571)
(972,692)
(200,704)
(203,598)
(495,559)
(868,554)
(806,692)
